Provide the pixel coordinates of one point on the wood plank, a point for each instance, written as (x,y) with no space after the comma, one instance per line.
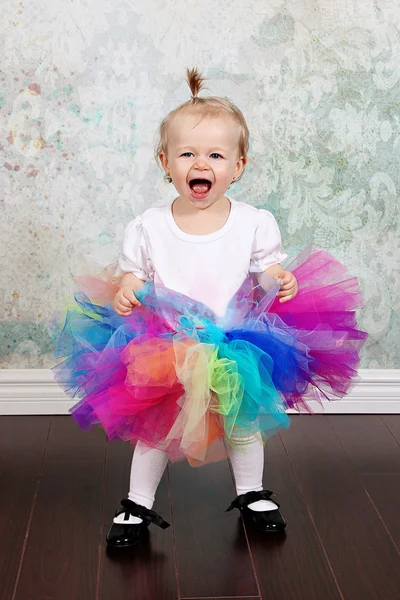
(212,552)
(283,561)
(367,442)
(62,551)
(148,570)
(363,557)
(392,422)
(22,445)
(67,442)
(375,454)
(384,490)
(61,558)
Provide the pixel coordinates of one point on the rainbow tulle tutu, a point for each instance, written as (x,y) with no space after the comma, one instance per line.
(178,378)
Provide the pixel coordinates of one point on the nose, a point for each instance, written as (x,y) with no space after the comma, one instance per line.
(201,164)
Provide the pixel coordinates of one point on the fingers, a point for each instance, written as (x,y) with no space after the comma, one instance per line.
(289,287)
(289,293)
(123,312)
(125,301)
(286,298)
(284,279)
(128,295)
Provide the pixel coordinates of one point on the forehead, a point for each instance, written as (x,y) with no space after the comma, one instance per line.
(187,129)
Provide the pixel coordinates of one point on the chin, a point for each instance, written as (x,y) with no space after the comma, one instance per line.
(201,204)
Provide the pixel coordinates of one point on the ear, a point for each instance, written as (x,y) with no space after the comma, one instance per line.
(240,165)
(164,161)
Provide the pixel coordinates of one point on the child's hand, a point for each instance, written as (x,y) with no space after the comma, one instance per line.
(289,287)
(125,301)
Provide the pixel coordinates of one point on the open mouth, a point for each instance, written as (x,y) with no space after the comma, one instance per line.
(200,188)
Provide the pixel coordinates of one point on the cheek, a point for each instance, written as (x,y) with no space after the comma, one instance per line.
(224,172)
(182,173)
(179,173)
(181,168)
(175,168)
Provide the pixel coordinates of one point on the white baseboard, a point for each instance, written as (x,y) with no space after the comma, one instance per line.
(34,392)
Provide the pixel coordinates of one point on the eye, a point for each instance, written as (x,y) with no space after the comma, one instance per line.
(187,154)
(215,155)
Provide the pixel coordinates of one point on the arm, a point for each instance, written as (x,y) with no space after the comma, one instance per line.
(289,287)
(125,299)
(266,254)
(130,280)
(134,259)
(274,271)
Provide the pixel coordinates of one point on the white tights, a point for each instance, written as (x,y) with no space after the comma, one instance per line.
(148,465)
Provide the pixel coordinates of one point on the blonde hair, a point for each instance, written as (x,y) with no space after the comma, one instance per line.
(210,106)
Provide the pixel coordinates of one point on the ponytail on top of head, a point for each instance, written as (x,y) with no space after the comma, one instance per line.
(195,81)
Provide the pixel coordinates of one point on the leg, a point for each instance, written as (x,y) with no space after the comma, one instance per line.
(148,466)
(258,511)
(147,469)
(247,459)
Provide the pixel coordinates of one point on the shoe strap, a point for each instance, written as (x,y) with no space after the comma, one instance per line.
(137,510)
(245,499)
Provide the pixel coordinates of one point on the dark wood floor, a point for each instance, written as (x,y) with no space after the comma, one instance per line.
(337,478)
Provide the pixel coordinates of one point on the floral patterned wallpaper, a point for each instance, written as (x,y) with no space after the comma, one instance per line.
(84,84)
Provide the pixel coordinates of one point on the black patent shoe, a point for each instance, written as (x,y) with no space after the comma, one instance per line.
(124,536)
(269,521)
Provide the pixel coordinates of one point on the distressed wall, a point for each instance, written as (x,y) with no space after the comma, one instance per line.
(84,84)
